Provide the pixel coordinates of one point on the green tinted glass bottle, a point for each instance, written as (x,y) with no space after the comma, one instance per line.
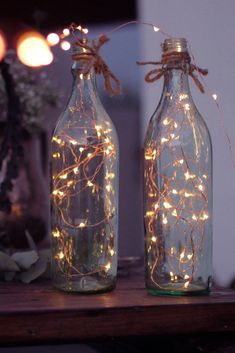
(177,187)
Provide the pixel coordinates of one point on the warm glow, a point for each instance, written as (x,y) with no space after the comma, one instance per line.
(108,266)
(65,45)
(149,213)
(166,121)
(61,255)
(82,225)
(214,96)
(188,175)
(53,39)
(174,191)
(164,221)
(167,204)
(2,46)
(66,32)
(156,29)
(33,50)
(56,233)
(63,176)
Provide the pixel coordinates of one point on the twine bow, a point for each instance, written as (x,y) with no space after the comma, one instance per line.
(92,58)
(179,58)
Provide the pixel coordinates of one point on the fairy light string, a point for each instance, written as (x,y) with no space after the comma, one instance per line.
(85,169)
(176,202)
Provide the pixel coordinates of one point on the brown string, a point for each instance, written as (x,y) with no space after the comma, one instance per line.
(92,58)
(174,58)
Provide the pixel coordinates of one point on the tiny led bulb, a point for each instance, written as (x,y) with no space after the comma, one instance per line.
(82,225)
(108,187)
(66,32)
(63,176)
(167,205)
(108,266)
(61,255)
(154,239)
(53,39)
(200,187)
(164,221)
(166,121)
(156,29)
(56,233)
(214,96)
(65,45)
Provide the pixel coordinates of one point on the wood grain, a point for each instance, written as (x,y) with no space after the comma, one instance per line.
(38,313)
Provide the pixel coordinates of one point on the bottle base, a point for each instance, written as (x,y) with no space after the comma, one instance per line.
(85,285)
(173,290)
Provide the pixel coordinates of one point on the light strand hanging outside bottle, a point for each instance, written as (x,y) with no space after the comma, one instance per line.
(85,181)
(177,182)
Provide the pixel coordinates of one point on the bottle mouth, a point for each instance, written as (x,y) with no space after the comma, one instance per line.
(174,44)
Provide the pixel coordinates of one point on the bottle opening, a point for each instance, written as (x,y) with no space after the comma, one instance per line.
(174,44)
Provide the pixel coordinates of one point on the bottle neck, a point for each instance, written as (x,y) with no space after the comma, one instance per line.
(84,85)
(176,83)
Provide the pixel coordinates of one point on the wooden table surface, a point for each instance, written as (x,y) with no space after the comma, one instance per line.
(38,313)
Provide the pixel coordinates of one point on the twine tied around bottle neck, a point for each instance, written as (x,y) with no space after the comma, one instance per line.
(92,58)
(174,58)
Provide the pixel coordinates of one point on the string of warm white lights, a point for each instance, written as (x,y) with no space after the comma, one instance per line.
(73,182)
(84,198)
(180,187)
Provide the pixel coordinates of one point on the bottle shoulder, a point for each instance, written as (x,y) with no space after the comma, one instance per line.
(182,120)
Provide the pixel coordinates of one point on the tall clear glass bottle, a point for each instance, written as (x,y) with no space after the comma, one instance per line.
(84,215)
(177,187)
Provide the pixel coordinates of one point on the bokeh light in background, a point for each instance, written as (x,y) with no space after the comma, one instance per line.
(33,50)
(2,45)
(65,45)
(53,39)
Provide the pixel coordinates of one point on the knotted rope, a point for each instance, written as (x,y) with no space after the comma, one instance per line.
(175,58)
(91,57)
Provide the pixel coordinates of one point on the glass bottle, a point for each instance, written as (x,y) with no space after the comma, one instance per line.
(84,192)
(177,187)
